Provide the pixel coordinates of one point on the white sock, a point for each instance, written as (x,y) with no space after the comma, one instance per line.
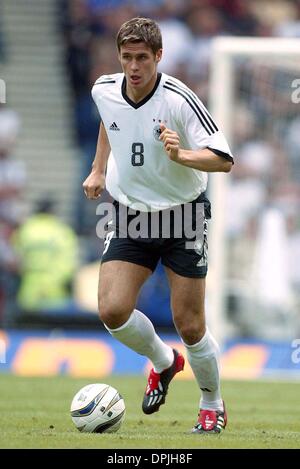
(139,334)
(204,360)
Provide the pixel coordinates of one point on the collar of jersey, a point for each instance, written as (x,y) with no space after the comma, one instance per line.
(145,99)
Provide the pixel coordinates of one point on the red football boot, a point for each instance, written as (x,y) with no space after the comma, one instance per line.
(210,421)
(158,383)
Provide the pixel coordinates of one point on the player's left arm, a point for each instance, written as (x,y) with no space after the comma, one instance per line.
(204,159)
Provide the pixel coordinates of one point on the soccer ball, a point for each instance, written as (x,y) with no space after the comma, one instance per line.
(98,408)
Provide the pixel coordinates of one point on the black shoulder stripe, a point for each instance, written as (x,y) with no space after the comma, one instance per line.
(207,127)
(208,119)
(200,104)
(104,82)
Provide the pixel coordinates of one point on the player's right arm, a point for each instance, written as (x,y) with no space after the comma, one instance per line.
(95,182)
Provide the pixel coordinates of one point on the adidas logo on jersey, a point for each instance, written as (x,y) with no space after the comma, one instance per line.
(114,126)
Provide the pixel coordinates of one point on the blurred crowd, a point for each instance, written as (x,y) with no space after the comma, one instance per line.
(263,203)
(12,184)
(38,252)
(188,27)
(264,194)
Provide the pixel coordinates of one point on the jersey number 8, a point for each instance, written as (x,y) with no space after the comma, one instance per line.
(137,157)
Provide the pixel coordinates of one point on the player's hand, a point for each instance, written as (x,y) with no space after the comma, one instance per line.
(170,140)
(94,185)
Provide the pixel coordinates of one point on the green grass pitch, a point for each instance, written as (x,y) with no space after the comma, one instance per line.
(35,414)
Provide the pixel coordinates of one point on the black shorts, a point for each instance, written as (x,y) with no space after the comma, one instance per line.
(181,246)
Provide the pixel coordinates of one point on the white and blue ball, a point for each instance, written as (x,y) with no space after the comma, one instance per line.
(98,408)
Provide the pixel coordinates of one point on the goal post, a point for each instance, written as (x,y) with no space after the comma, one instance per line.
(226,55)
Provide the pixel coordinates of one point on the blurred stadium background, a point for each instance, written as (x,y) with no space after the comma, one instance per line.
(51,52)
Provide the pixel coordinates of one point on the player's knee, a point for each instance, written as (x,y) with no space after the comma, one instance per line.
(191,330)
(114,314)
(190,335)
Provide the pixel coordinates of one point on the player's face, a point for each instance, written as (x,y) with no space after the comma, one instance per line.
(139,65)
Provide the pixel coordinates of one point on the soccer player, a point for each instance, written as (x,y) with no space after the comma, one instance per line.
(156,144)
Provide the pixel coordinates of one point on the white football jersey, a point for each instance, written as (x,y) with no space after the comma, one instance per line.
(139,172)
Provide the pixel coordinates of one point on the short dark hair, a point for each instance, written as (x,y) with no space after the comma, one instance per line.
(140,30)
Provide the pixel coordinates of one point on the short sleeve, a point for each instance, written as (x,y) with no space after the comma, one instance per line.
(200,129)
(96,94)
(99,88)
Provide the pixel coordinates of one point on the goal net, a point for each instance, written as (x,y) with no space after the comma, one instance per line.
(254,250)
